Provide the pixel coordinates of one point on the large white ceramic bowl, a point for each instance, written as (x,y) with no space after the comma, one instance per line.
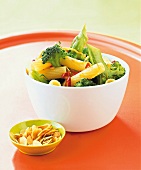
(78,109)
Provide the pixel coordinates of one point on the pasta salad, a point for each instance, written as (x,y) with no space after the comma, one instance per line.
(79,65)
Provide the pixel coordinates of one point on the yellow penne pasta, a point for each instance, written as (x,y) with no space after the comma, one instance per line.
(53,73)
(37,65)
(107,61)
(109,81)
(88,73)
(74,63)
(55,83)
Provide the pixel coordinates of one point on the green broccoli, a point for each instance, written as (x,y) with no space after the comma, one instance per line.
(115,71)
(53,55)
(84,82)
(39,77)
(76,54)
(85,51)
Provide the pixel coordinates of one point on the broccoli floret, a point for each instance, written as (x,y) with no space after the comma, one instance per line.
(53,55)
(115,71)
(76,54)
(84,82)
(85,51)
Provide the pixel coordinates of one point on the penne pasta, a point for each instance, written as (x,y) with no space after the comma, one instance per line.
(109,81)
(88,73)
(37,65)
(55,83)
(107,61)
(53,72)
(74,64)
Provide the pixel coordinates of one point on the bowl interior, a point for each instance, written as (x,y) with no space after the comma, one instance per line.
(110,57)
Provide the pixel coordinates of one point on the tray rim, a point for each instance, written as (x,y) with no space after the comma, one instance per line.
(31,37)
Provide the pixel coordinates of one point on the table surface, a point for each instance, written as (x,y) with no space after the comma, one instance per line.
(115,146)
(117,18)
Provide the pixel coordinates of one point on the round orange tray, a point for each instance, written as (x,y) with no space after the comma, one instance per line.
(115,146)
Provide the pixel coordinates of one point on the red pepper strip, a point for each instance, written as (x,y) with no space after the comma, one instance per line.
(74,72)
(87,65)
(68,81)
(66,75)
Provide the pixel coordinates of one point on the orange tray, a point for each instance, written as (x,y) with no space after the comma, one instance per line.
(116,146)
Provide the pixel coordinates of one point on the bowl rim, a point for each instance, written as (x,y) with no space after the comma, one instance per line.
(28,146)
(127,71)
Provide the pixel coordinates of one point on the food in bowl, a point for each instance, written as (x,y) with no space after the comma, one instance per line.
(37,137)
(79,65)
(83,94)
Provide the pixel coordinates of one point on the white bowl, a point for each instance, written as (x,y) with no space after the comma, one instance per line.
(78,109)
